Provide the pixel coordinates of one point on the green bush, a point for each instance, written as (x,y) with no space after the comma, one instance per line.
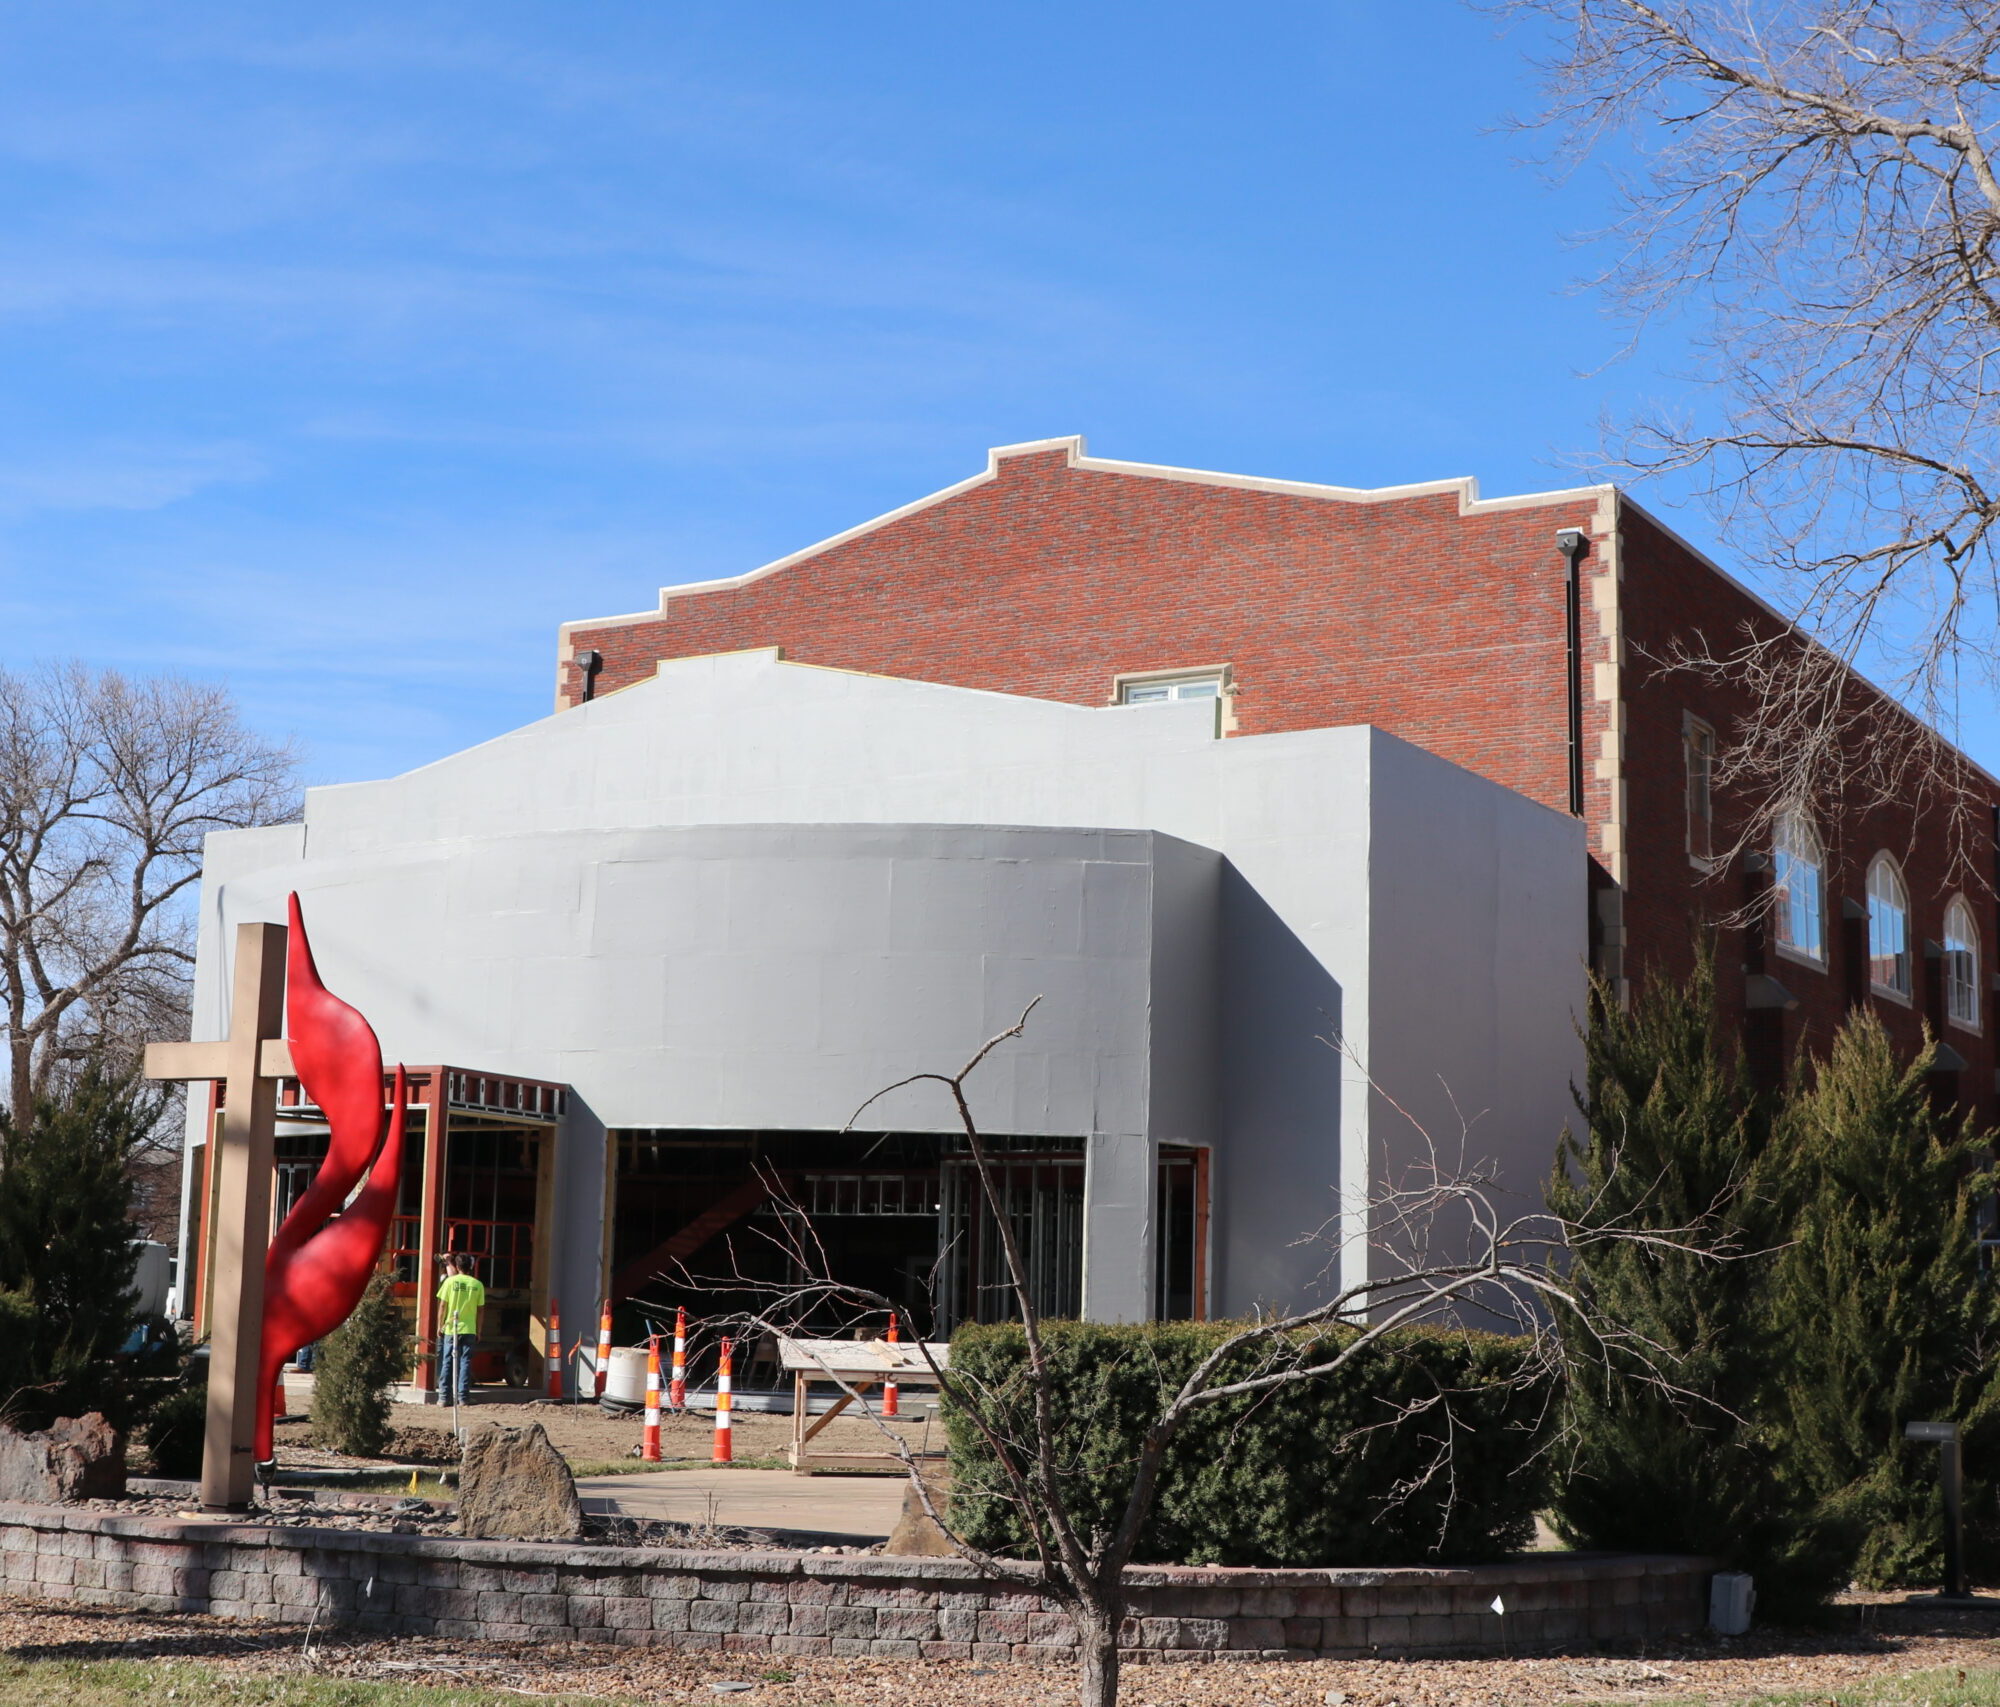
(354,1369)
(1425,1449)
(66,1256)
(1878,1293)
(1676,1143)
(1853,1305)
(173,1432)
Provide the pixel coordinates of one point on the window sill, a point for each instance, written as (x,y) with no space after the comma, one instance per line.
(1967,1025)
(1798,956)
(1888,993)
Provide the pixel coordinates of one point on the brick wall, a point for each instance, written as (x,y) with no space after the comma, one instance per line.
(1052,580)
(1441,623)
(1944,847)
(792,1603)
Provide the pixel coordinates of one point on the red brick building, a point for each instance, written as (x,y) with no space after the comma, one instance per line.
(1517,637)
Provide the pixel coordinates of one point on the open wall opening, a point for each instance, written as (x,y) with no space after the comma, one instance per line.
(900,1214)
(1180,1253)
(477,1177)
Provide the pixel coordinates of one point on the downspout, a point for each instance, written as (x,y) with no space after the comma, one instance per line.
(589,663)
(1572,543)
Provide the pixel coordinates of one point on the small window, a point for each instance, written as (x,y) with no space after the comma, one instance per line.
(1888,928)
(1698,748)
(1151,690)
(1961,965)
(1798,887)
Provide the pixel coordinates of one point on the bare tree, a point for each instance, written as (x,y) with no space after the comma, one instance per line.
(107,787)
(1816,179)
(1508,1269)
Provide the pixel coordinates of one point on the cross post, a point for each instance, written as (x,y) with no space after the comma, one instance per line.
(250,1061)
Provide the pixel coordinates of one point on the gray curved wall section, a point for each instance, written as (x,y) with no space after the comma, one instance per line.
(777,976)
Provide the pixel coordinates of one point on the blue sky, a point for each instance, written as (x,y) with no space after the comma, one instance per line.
(347,353)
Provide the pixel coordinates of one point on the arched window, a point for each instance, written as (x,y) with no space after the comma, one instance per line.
(1961,964)
(1888,927)
(1798,887)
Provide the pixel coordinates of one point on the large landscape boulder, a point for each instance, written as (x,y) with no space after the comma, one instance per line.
(917,1535)
(74,1458)
(514,1485)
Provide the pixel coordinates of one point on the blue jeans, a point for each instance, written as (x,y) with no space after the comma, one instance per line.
(455,1368)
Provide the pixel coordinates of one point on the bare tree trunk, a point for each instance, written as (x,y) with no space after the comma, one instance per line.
(1097,1651)
(21,1079)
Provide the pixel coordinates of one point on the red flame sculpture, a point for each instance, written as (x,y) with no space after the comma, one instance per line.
(320,1259)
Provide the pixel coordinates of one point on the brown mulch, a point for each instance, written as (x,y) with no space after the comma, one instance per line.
(1872,1638)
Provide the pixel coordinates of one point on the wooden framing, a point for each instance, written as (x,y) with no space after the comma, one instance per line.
(437,1136)
(859,1366)
(437,1091)
(539,1281)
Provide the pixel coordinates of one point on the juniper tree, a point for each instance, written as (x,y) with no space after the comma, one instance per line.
(353,1371)
(66,1256)
(1879,1297)
(1673,1138)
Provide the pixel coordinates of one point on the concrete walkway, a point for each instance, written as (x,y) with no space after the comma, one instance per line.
(865,1507)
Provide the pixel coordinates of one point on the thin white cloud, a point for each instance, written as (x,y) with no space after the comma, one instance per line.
(130,477)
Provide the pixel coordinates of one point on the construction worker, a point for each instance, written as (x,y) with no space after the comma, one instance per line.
(460,1299)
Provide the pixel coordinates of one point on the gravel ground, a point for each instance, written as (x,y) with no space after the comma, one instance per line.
(385,1514)
(585,1435)
(1874,1638)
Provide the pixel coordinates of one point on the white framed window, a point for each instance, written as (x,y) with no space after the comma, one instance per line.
(1888,929)
(1152,690)
(1798,886)
(1961,965)
(1698,751)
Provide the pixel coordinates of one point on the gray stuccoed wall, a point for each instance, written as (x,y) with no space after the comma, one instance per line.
(747,894)
(792,1603)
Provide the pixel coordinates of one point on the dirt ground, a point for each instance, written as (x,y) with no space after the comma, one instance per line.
(1874,1640)
(586,1435)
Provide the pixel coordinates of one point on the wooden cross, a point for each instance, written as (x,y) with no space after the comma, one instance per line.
(250,1061)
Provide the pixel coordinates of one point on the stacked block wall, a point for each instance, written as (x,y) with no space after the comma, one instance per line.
(815,1604)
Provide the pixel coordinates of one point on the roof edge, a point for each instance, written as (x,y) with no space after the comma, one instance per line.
(1464,487)
(1805,635)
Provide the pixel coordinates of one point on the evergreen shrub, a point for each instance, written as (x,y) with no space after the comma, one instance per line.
(353,1371)
(1842,1299)
(1878,1293)
(66,1256)
(1336,1471)
(174,1430)
(1680,1443)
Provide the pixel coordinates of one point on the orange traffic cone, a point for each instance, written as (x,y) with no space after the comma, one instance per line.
(677,1392)
(723,1452)
(603,1346)
(889,1395)
(649,1448)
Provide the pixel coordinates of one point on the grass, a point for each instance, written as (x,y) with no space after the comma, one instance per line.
(135,1683)
(1979,1688)
(138,1683)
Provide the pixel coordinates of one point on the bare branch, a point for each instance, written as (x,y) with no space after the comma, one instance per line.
(1818,178)
(107,788)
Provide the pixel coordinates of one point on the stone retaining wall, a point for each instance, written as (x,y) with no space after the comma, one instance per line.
(805,1603)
